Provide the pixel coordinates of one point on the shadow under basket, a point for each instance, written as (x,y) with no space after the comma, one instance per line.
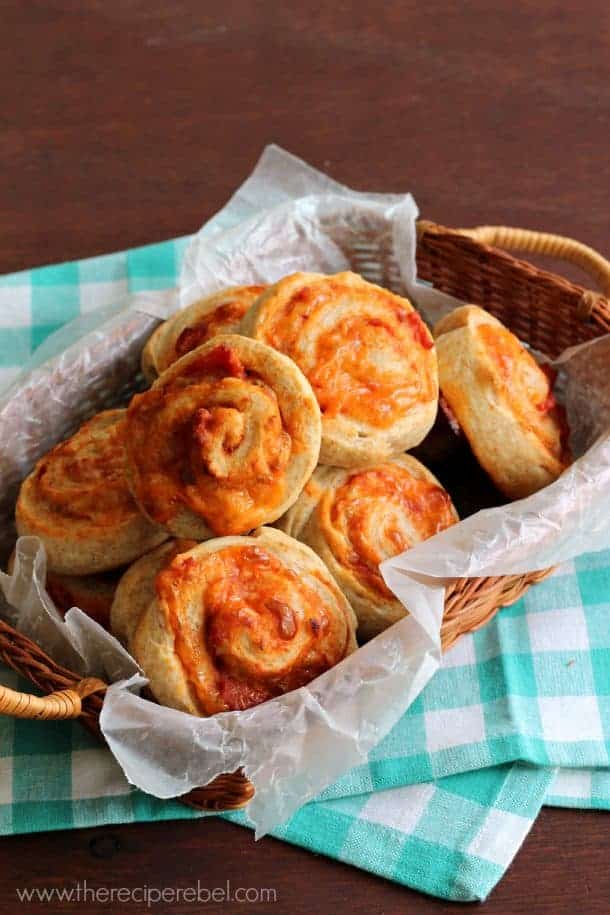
(542,309)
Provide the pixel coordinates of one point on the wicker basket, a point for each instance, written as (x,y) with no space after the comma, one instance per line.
(542,308)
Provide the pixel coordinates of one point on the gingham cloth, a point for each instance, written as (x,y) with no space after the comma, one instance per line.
(445,801)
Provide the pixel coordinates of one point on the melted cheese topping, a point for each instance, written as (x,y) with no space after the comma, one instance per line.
(247,627)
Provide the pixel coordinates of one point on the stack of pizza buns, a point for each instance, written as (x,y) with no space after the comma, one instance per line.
(229,524)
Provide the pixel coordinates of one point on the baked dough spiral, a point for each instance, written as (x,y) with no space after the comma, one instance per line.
(77,501)
(236,621)
(354,519)
(502,400)
(224,440)
(220,313)
(368,355)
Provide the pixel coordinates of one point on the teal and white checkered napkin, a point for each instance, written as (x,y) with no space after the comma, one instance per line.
(445,801)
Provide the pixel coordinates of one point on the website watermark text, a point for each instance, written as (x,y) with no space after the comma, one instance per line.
(82,892)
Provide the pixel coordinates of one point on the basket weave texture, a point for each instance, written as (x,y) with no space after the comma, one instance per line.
(541,308)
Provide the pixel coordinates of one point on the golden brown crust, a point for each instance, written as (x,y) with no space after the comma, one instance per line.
(354,519)
(368,355)
(238,620)
(77,501)
(148,357)
(136,588)
(224,440)
(502,400)
(194,325)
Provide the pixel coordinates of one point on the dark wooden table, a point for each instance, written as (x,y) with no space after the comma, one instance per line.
(130,121)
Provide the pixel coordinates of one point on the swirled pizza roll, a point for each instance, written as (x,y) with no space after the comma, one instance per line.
(224,440)
(354,519)
(193,326)
(234,621)
(368,355)
(77,501)
(502,400)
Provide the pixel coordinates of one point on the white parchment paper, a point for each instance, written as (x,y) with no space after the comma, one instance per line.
(285,217)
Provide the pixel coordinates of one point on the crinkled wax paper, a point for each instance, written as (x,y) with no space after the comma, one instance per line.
(285,217)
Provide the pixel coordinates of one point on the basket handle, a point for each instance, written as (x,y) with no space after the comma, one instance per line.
(566,249)
(60,705)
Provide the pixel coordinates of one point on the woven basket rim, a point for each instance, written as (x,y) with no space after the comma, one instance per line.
(592,303)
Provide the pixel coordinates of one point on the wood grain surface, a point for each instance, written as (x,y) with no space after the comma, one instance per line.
(124,122)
